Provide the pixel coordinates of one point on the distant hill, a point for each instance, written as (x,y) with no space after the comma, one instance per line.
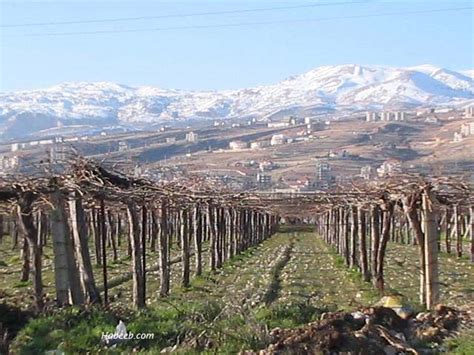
(327,88)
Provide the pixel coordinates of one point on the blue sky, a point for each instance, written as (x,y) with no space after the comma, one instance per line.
(223,57)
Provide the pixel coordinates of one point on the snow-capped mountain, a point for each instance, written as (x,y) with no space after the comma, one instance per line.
(341,87)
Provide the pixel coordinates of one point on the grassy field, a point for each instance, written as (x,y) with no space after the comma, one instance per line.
(287,281)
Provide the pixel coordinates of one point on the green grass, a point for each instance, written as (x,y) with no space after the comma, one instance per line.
(225,311)
(71,330)
(461,345)
(455,275)
(196,326)
(219,311)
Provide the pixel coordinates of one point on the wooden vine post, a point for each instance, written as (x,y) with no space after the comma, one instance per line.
(79,232)
(375,240)
(65,269)
(103,237)
(430,228)
(387,213)
(138,293)
(185,253)
(471,212)
(163,250)
(364,267)
(410,206)
(197,234)
(26,223)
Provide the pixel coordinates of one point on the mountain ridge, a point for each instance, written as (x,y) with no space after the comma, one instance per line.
(338,87)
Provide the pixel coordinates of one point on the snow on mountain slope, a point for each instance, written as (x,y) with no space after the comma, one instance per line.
(411,88)
(336,87)
(455,80)
(468,73)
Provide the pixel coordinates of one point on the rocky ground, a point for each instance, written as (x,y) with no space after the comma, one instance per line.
(376,330)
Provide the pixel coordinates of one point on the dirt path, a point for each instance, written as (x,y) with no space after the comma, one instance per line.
(244,281)
(275,283)
(313,276)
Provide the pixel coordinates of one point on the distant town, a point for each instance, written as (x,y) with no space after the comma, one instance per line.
(288,154)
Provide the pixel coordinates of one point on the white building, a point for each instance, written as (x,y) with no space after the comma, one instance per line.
(366,172)
(8,163)
(399,116)
(467,129)
(192,137)
(370,116)
(60,153)
(137,171)
(278,139)
(264,179)
(237,145)
(469,112)
(122,146)
(324,176)
(260,144)
(293,121)
(170,140)
(46,141)
(431,119)
(15,147)
(72,139)
(458,137)
(385,116)
(389,167)
(278,124)
(266,165)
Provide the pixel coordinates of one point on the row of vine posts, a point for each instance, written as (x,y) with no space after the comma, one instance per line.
(93,210)
(360,227)
(360,220)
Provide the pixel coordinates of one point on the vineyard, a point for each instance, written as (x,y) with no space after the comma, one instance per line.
(384,266)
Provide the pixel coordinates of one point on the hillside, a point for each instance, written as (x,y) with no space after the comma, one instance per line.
(342,87)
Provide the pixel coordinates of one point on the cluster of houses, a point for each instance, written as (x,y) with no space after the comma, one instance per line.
(44,142)
(429,114)
(371,116)
(312,123)
(222,123)
(191,137)
(25,154)
(276,139)
(467,128)
(24,161)
(57,149)
(322,180)
(387,168)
